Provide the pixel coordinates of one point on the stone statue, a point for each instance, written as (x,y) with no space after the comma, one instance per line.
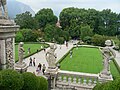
(20,53)
(20,65)
(3,13)
(108,55)
(51,56)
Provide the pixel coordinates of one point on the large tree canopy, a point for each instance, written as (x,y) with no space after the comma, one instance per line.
(25,20)
(44,17)
(102,22)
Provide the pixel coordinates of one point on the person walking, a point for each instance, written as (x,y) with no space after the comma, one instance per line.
(71,54)
(30,64)
(34,61)
(38,68)
(43,69)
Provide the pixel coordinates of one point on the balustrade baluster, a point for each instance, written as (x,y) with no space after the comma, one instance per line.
(90,81)
(74,80)
(60,78)
(79,81)
(69,80)
(84,81)
(95,82)
(64,79)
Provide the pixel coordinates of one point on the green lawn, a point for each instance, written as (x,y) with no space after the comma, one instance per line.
(33,48)
(88,60)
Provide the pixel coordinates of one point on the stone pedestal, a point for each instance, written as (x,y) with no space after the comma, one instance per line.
(7,49)
(21,68)
(51,74)
(104,78)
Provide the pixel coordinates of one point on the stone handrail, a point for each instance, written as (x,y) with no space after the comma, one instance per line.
(76,80)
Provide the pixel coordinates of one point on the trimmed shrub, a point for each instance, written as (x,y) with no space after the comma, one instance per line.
(30,81)
(43,84)
(11,80)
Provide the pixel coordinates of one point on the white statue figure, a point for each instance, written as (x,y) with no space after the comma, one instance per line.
(5,12)
(20,53)
(51,56)
(108,55)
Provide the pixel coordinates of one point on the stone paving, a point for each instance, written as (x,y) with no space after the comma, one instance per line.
(40,57)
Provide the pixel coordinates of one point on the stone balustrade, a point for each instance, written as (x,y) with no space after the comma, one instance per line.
(76,80)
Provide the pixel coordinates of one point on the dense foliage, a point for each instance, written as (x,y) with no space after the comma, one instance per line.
(27,35)
(25,20)
(102,22)
(44,17)
(43,84)
(99,40)
(54,33)
(76,23)
(111,85)
(30,81)
(11,80)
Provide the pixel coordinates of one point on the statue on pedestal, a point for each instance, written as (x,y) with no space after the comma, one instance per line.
(51,56)
(20,63)
(4,21)
(108,55)
(4,13)
(20,52)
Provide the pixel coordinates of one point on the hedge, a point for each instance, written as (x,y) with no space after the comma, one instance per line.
(43,84)
(11,80)
(30,81)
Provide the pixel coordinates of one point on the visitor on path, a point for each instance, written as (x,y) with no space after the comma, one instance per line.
(60,46)
(30,64)
(29,51)
(41,47)
(67,44)
(37,50)
(43,69)
(71,54)
(39,68)
(44,50)
(34,61)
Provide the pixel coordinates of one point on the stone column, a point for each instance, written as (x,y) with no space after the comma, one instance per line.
(7,56)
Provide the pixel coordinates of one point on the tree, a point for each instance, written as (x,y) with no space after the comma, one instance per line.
(102,22)
(25,20)
(86,31)
(44,17)
(11,80)
(29,35)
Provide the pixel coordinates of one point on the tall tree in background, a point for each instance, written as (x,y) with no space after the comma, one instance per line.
(44,17)
(25,20)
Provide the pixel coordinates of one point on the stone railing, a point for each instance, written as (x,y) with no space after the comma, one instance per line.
(76,80)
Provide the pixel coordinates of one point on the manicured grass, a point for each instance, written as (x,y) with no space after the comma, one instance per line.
(33,49)
(88,60)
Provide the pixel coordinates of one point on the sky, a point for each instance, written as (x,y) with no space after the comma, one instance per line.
(58,5)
